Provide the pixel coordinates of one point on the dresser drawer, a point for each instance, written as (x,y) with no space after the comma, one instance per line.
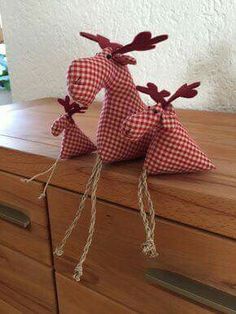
(115,266)
(74,298)
(17,198)
(25,284)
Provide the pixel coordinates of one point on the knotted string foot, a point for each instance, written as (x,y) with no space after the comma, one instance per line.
(58,252)
(78,273)
(43,195)
(148,247)
(25,180)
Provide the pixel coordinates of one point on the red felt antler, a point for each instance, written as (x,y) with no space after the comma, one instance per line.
(152,90)
(185,91)
(71,108)
(142,41)
(101,40)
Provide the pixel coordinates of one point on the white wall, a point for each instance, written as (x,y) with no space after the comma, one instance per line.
(42,39)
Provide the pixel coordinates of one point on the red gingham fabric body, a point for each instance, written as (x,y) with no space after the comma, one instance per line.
(74,142)
(85,78)
(172,150)
(121,101)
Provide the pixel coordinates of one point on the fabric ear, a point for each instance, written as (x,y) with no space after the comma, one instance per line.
(124,59)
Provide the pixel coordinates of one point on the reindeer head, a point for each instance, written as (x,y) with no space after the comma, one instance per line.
(86,76)
(66,120)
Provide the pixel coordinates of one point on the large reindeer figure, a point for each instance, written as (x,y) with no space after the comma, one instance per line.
(86,77)
(108,69)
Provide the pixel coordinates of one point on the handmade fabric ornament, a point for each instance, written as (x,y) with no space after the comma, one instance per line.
(86,77)
(74,142)
(171,149)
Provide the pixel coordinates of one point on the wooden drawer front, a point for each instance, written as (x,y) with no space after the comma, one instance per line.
(74,298)
(115,266)
(25,284)
(33,241)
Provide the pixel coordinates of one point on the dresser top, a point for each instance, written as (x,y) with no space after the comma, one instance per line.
(205,200)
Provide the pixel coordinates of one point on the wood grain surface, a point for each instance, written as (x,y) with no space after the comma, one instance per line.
(204,200)
(8,309)
(76,298)
(26,284)
(33,242)
(115,266)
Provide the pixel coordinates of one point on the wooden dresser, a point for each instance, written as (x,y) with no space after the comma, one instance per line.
(196,221)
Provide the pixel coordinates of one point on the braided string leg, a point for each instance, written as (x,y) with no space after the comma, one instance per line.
(50,169)
(60,248)
(78,272)
(149,247)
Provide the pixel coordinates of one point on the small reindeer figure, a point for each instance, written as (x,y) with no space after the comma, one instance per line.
(75,142)
(171,149)
(168,133)
(108,69)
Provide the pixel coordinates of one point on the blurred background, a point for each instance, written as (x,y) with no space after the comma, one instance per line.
(5,88)
(41,39)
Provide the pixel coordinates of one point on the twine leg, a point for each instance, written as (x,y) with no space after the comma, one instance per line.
(60,248)
(149,247)
(43,194)
(37,175)
(50,169)
(78,272)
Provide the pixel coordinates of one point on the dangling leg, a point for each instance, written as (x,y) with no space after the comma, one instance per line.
(78,272)
(93,178)
(51,169)
(149,247)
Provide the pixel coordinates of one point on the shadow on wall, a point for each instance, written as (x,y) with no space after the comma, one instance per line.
(217,74)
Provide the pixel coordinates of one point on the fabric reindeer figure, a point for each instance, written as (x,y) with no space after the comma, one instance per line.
(108,69)
(171,149)
(74,142)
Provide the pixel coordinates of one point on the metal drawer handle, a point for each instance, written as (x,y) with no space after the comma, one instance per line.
(196,291)
(14,216)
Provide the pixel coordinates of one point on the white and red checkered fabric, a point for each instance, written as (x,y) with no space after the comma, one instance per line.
(138,125)
(74,142)
(126,127)
(172,150)
(85,78)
